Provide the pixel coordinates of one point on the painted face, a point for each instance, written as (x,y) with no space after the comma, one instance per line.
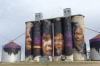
(28,40)
(58,43)
(46,45)
(79,37)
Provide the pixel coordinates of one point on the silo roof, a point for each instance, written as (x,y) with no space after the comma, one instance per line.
(96,38)
(12,44)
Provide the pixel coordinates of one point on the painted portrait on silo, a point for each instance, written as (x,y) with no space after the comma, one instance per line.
(28,41)
(79,43)
(58,37)
(46,38)
(37,40)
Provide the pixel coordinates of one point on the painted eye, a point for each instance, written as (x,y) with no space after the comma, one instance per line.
(46,39)
(49,45)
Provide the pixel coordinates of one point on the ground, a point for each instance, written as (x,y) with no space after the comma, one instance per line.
(68,63)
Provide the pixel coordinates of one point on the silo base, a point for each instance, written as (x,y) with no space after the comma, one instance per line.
(63,58)
(42,59)
(10,58)
(95,55)
(29,58)
(79,56)
(57,58)
(69,58)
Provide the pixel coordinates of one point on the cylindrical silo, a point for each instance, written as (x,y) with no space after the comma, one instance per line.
(11,52)
(28,41)
(68,47)
(58,37)
(79,51)
(46,38)
(95,48)
(37,41)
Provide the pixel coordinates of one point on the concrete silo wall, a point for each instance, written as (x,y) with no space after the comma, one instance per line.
(78,38)
(58,37)
(46,38)
(28,41)
(95,49)
(68,47)
(37,41)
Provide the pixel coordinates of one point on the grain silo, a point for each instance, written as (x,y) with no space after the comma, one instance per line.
(36,41)
(68,39)
(95,48)
(11,52)
(79,44)
(46,38)
(28,41)
(58,37)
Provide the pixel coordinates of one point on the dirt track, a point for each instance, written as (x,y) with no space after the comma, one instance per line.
(74,63)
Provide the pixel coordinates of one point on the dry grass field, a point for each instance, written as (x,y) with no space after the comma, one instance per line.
(68,63)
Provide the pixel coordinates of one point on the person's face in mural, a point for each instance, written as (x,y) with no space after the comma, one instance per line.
(79,37)
(47,46)
(58,43)
(28,40)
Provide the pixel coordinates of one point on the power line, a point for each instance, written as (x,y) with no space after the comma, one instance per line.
(4,37)
(91,30)
(5,10)
(18,37)
(14,39)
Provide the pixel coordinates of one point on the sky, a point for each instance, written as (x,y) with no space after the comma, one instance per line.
(14,14)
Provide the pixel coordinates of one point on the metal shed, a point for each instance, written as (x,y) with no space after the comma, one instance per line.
(95,47)
(11,52)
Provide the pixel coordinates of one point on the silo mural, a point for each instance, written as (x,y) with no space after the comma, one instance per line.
(78,38)
(28,41)
(95,48)
(68,39)
(37,41)
(46,38)
(58,38)
(11,52)
(67,34)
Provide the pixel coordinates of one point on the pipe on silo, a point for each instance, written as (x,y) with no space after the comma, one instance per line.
(79,51)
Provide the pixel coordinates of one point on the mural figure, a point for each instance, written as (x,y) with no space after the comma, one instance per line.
(58,43)
(79,39)
(58,37)
(28,41)
(46,38)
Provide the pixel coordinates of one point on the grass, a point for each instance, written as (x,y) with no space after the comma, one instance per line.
(62,63)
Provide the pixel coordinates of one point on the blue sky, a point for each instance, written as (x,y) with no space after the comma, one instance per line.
(12,23)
